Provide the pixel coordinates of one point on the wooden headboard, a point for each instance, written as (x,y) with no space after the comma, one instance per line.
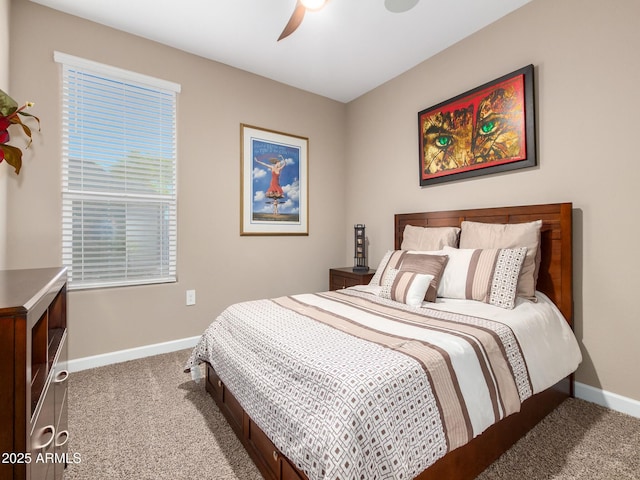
(555,278)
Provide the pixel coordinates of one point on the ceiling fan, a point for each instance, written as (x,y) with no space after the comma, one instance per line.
(298,14)
(395,6)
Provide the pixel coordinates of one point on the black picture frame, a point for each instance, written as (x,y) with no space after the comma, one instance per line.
(486,130)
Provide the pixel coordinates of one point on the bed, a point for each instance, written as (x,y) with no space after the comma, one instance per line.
(290,380)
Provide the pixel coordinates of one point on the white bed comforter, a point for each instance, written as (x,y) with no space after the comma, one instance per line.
(349,385)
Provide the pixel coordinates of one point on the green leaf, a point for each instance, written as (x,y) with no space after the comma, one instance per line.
(7,104)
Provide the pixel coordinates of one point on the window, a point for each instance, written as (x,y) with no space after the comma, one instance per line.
(118,176)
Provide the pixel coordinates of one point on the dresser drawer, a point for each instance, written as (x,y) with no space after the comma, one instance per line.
(214,384)
(60,383)
(61,379)
(266,450)
(232,408)
(43,436)
(288,472)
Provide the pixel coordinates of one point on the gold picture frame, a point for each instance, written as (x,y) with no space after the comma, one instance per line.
(274,182)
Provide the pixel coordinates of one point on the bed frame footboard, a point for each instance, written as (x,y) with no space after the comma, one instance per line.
(464,463)
(271,463)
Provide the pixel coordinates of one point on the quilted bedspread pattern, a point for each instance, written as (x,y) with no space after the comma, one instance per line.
(349,385)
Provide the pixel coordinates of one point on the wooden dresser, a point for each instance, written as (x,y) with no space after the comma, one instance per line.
(33,375)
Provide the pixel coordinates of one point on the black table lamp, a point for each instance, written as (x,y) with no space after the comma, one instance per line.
(360,252)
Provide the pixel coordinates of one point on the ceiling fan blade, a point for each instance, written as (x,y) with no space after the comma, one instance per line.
(294,21)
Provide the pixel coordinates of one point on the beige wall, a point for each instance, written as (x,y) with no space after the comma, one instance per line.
(587,68)
(212,257)
(4,85)
(585,54)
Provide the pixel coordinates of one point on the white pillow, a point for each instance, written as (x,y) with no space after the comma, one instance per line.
(489,275)
(405,287)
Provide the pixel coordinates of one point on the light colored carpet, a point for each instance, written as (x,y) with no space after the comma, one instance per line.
(146,419)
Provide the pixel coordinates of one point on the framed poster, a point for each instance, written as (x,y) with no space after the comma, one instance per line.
(274,189)
(486,130)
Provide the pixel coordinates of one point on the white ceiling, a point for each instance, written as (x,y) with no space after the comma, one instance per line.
(340,52)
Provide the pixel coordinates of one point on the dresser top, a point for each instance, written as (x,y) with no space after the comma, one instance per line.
(21,289)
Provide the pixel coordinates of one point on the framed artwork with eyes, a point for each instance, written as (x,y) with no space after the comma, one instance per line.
(486,130)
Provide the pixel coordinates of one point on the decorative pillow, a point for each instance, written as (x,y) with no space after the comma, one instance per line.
(375,280)
(489,275)
(513,235)
(430,263)
(405,287)
(429,238)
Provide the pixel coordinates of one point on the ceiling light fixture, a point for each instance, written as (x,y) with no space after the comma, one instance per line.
(298,14)
(313,4)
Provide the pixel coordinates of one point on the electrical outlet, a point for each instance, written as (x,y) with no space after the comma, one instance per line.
(191,297)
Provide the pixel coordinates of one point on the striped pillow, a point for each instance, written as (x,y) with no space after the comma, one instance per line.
(419,262)
(510,235)
(486,275)
(426,264)
(405,287)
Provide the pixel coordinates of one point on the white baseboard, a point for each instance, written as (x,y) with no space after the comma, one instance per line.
(130,354)
(607,399)
(582,391)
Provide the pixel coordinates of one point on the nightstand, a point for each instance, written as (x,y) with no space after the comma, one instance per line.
(346,277)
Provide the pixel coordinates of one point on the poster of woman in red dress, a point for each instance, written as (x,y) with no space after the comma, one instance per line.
(274,190)
(274,183)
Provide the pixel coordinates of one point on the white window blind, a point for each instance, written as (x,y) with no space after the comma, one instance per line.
(118,176)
